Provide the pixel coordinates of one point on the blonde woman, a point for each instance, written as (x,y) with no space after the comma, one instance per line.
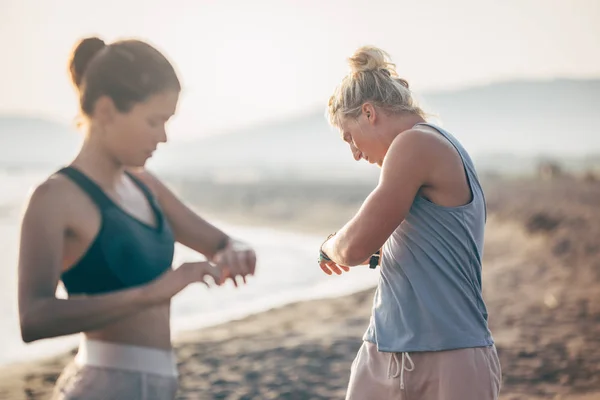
(428,337)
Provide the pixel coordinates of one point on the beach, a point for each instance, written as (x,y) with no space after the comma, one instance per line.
(541,275)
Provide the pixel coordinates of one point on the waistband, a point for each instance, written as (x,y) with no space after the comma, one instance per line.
(149,360)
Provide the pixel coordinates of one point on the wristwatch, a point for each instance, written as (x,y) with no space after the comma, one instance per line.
(374,260)
(322,255)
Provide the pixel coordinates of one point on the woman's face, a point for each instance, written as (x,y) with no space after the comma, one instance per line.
(132,137)
(364,136)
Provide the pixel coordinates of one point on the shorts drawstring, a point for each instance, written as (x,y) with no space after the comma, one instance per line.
(403,367)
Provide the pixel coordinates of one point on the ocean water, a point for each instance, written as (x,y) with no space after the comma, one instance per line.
(286,272)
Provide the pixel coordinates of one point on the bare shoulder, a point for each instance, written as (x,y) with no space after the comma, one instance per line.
(53,192)
(411,147)
(424,140)
(422,145)
(50,202)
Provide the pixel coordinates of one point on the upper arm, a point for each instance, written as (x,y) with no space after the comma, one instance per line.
(41,244)
(406,168)
(189,228)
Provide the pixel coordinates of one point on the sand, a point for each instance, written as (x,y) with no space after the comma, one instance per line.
(541,280)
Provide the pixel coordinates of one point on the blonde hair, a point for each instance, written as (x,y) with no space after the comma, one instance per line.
(372,78)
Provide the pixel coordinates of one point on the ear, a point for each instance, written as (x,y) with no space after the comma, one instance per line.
(105,110)
(369,112)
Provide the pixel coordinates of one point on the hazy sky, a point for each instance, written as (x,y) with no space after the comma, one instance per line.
(246,61)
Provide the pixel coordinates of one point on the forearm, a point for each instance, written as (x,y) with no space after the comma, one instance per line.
(201,236)
(341,254)
(189,228)
(52,317)
(211,240)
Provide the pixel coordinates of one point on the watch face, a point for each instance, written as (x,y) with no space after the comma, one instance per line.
(374,260)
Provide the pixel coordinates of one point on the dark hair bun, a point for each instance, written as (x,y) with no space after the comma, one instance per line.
(81,57)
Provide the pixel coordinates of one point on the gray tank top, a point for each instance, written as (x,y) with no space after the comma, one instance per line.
(429,295)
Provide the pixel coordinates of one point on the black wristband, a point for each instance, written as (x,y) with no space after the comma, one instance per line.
(223,243)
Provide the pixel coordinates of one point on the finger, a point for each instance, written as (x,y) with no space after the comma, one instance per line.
(234,266)
(202,269)
(242,260)
(236,280)
(231,272)
(333,266)
(231,276)
(243,279)
(235,262)
(344,268)
(225,274)
(214,273)
(226,262)
(242,268)
(247,266)
(227,265)
(324,268)
(252,261)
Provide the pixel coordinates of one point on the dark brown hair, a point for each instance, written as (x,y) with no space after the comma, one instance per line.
(128,71)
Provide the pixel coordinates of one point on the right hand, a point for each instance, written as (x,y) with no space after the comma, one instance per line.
(175,280)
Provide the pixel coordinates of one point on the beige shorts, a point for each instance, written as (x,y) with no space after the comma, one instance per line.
(105,371)
(96,383)
(464,374)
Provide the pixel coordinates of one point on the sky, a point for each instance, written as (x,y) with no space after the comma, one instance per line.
(243,62)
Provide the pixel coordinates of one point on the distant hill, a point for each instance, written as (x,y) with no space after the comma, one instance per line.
(35,142)
(301,146)
(505,126)
(548,117)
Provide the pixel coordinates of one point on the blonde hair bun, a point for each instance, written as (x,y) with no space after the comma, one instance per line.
(371,59)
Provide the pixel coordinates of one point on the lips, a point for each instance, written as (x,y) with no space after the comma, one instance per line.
(369,161)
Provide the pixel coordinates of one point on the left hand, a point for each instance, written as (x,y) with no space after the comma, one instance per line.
(236,259)
(327,265)
(330,267)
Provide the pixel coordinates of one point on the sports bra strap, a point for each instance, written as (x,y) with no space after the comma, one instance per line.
(88,186)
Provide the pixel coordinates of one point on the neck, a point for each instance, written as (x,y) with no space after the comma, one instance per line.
(98,164)
(402,122)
